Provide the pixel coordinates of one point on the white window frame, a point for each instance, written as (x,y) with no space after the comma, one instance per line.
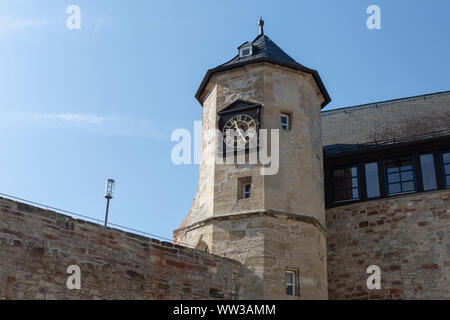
(293,284)
(241,51)
(288,121)
(244,193)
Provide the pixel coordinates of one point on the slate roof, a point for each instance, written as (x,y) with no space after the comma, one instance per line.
(264,50)
(263,47)
(387,122)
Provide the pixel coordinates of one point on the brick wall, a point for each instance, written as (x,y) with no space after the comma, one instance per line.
(408,237)
(37,246)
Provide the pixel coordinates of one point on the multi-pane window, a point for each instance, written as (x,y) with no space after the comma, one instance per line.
(346,184)
(372,180)
(400,176)
(291,283)
(424,171)
(428,172)
(285,121)
(446,168)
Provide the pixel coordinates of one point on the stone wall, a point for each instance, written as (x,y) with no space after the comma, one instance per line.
(408,237)
(37,246)
(269,243)
(220,219)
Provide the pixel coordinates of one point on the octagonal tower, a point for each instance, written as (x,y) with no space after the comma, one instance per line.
(273,224)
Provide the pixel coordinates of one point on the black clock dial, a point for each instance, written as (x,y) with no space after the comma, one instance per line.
(243,129)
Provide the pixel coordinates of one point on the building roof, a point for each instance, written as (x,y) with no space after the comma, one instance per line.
(386,122)
(263,47)
(264,50)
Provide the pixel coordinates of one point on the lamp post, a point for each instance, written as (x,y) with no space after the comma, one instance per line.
(109,193)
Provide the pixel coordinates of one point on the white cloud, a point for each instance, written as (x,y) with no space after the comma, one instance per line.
(10,26)
(63,117)
(111,125)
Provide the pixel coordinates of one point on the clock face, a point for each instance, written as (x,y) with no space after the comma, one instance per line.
(239,130)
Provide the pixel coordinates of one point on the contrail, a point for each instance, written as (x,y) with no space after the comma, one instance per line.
(97,26)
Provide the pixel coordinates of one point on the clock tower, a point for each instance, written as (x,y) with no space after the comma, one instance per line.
(273,221)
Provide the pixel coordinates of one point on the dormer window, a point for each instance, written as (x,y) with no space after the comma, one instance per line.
(246,51)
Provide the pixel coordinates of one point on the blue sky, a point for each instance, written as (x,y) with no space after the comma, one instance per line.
(80,106)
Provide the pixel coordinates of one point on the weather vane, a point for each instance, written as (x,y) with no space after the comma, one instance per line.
(261,26)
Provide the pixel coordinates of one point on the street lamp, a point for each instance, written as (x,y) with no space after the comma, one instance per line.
(109,193)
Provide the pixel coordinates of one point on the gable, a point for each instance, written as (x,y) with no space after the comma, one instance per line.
(239,105)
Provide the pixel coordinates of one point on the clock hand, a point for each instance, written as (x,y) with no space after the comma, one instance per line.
(239,130)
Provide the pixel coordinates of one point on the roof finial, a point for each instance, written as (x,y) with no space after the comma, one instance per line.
(261,26)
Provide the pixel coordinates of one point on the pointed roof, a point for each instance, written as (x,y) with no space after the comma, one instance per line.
(263,47)
(264,50)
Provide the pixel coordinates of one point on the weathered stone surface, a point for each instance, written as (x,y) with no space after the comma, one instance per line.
(36,251)
(407,237)
(273,241)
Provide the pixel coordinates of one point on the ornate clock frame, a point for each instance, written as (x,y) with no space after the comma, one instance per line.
(240,107)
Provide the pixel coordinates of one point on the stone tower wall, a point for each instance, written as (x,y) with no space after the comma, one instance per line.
(267,244)
(298,186)
(290,202)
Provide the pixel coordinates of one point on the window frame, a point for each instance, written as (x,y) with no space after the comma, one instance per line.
(437,147)
(241,51)
(421,187)
(294,284)
(365,196)
(244,191)
(288,121)
(241,183)
(442,167)
(413,170)
(358,175)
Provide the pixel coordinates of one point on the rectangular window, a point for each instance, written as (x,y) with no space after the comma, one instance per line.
(346,184)
(446,168)
(428,172)
(372,180)
(245,51)
(285,121)
(247,190)
(244,188)
(291,283)
(400,176)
